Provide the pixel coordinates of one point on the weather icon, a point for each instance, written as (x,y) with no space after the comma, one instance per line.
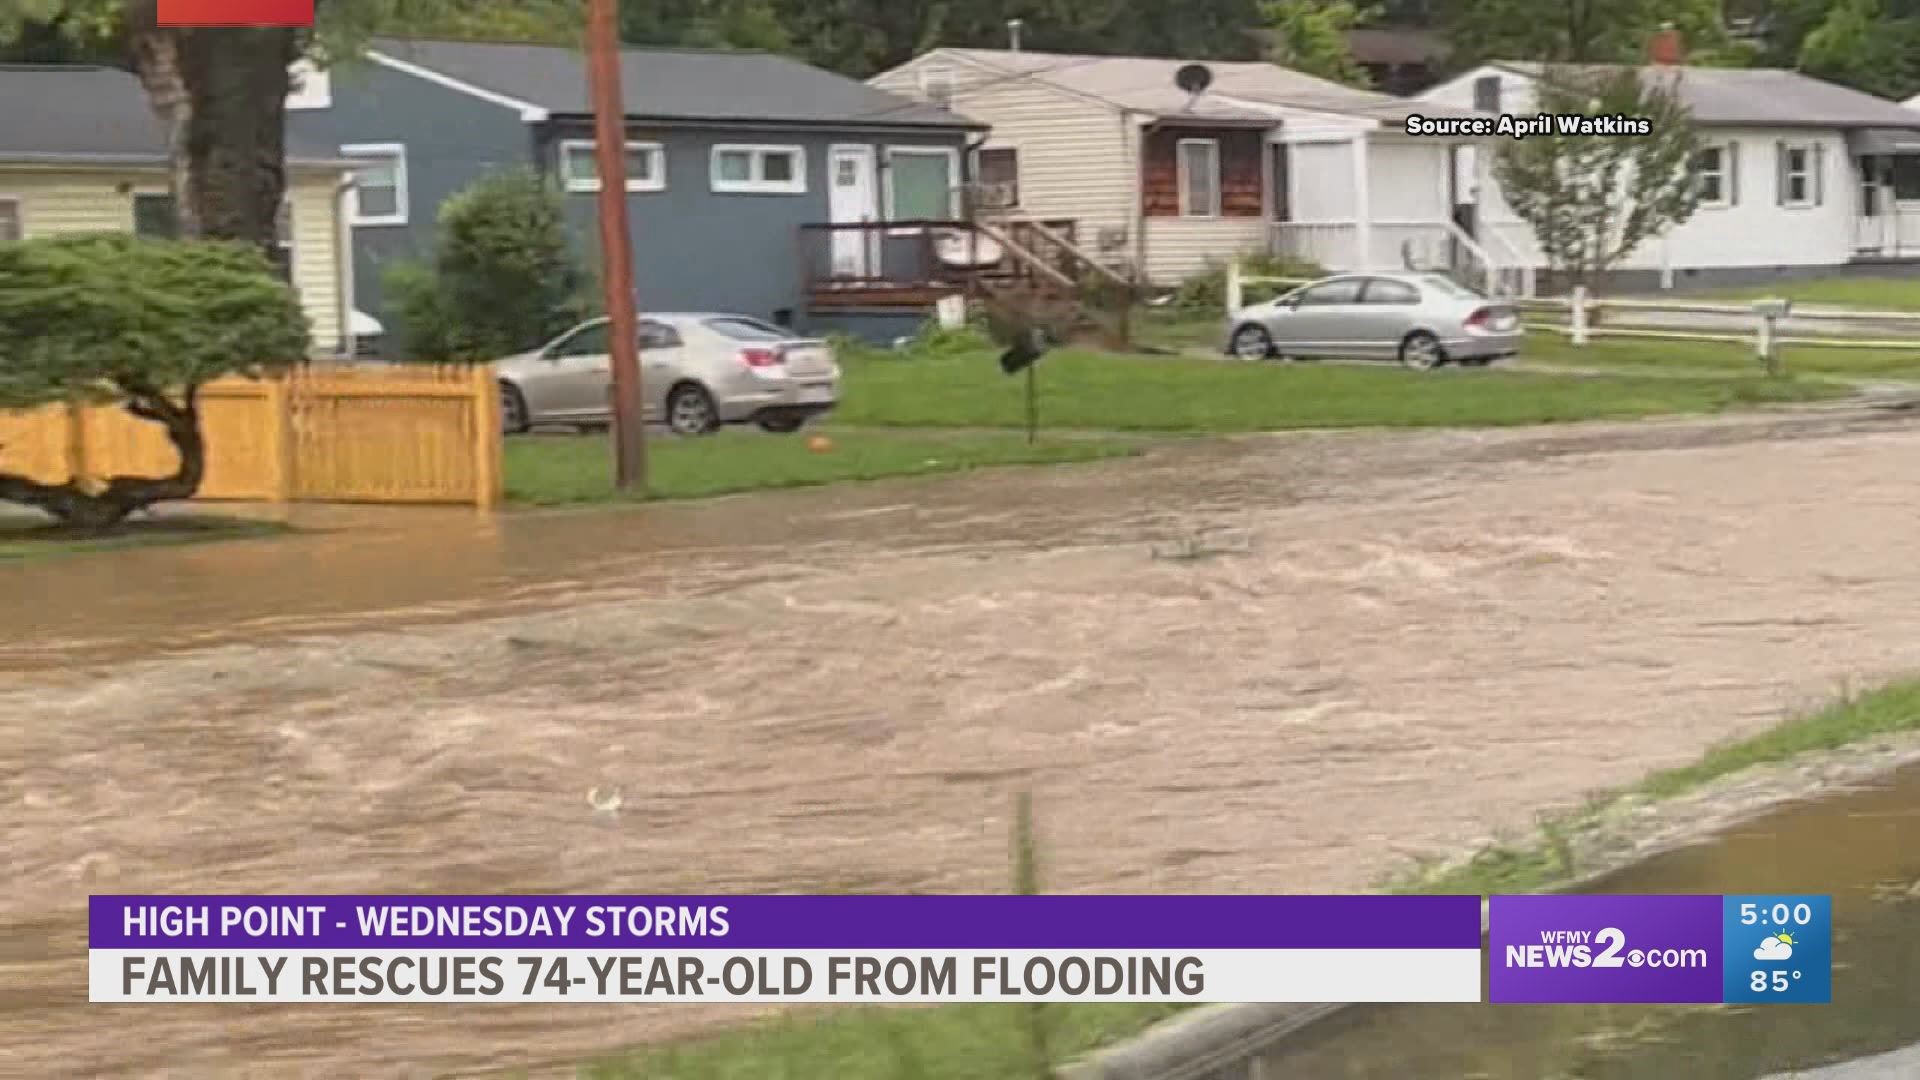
(1777,947)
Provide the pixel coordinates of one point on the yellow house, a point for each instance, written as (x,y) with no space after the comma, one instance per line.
(81,151)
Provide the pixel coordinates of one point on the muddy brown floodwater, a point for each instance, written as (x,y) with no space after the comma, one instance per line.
(1385,647)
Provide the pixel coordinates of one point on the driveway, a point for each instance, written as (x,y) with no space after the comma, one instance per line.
(1279,664)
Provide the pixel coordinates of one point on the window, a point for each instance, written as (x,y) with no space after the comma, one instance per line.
(1486,93)
(1710,176)
(580,170)
(1906,177)
(11,227)
(1341,291)
(589,340)
(1199,169)
(759,170)
(655,335)
(997,169)
(744,329)
(380,190)
(1445,285)
(283,241)
(153,215)
(1387,291)
(1799,175)
(922,183)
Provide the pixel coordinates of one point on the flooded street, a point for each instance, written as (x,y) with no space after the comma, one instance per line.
(1274,665)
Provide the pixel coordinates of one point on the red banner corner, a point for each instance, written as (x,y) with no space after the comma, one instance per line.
(185,13)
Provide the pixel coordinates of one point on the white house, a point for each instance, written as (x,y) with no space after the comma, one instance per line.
(1261,159)
(1799,177)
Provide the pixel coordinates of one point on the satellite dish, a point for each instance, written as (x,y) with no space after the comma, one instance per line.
(1193,78)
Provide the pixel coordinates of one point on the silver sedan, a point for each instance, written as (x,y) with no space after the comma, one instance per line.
(1421,320)
(698,372)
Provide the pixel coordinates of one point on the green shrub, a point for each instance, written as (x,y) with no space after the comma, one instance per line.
(1205,292)
(505,277)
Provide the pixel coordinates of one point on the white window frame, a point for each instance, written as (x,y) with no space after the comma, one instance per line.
(1722,174)
(1787,174)
(395,152)
(1181,172)
(758,184)
(19,216)
(655,151)
(952,154)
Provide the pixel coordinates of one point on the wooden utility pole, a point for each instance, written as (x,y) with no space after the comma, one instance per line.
(610,156)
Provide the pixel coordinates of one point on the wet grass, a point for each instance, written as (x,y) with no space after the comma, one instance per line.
(1108,392)
(1865,293)
(33,539)
(1547,860)
(544,470)
(1694,357)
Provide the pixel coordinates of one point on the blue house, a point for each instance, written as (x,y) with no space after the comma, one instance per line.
(756,184)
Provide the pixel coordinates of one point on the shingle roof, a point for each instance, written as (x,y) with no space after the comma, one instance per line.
(82,115)
(1145,84)
(674,84)
(1761,97)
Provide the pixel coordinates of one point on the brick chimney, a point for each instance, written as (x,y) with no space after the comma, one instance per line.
(1667,47)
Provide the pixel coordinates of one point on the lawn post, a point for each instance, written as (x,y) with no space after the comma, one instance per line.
(1033,405)
(1236,290)
(1765,312)
(1579,311)
(610,156)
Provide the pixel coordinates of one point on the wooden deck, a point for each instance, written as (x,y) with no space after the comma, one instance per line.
(834,296)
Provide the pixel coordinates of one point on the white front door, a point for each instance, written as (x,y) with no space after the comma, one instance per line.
(1876,228)
(852,200)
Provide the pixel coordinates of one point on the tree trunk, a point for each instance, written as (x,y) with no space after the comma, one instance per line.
(95,505)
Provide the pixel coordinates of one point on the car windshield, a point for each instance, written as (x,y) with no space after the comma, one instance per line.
(740,328)
(1446,286)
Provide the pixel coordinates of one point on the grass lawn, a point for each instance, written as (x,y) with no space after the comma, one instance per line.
(552,470)
(1105,392)
(1866,293)
(988,1042)
(1545,861)
(36,539)
(1638,353)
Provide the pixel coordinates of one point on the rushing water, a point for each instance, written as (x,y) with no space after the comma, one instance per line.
(1862,848)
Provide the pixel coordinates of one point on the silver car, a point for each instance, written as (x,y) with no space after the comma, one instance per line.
(698,371)
(1421,320)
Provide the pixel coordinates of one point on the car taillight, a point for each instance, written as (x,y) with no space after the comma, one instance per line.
(1480,318)
(760,358)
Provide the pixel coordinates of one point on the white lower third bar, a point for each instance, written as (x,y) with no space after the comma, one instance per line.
(904,976)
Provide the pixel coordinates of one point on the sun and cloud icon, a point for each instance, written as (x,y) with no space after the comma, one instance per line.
(1777,947)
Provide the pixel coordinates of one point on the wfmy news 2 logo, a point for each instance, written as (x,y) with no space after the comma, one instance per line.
(1660,949)
(270,13)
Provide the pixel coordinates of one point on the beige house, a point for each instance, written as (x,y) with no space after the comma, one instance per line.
(88,156)
(1260,159)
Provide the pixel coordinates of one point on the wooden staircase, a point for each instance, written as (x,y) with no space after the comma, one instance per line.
(1047,281)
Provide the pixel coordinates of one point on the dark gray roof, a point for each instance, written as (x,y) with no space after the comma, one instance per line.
(674,84)
(1762,97)
(72,114)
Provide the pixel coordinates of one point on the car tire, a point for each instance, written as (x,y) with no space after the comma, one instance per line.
(781,425)
(1420,351)
(513,410)
(1251,342)
(691,411)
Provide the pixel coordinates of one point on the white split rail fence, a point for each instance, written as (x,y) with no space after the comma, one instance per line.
(1582,326)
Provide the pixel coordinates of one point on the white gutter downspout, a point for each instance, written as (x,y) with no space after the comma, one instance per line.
(1134,128)
(343,261)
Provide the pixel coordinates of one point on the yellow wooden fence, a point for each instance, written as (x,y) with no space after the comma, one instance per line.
(325,433)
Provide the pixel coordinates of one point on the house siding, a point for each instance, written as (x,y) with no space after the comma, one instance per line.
(57,201)
(1077,156)
(1180,247)
(698,249)
(1755,234)
(451,139)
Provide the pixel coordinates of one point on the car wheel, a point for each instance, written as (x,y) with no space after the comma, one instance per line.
(513,410)
(1421,351)
(691,411)
(781,425)
(1252,342)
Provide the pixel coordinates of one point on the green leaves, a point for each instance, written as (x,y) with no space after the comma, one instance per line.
(82,317)
(1311,36)
(1593,199)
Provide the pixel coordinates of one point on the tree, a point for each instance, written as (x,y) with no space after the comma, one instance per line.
(1580,31)
(1593,198)
(99,319)
(1860,45)
(712,24)
(504,278)
(1311,36)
